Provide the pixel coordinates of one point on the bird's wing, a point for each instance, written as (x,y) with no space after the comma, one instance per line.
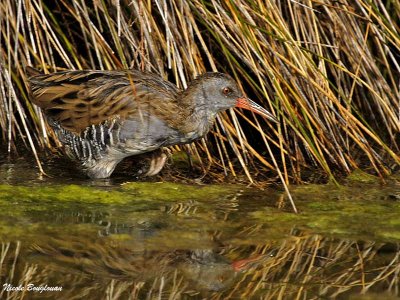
(79,99)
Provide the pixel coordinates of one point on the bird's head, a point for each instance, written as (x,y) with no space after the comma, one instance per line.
(215,92)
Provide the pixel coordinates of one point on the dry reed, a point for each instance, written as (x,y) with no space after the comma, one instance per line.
(328,70)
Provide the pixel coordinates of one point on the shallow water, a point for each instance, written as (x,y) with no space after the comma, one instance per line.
(115,239)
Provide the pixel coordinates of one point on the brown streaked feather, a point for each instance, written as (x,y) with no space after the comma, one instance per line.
(79,99)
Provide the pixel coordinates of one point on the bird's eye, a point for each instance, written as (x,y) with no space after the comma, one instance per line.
(226,91)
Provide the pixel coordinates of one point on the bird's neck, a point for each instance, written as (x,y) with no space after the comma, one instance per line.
(198,116)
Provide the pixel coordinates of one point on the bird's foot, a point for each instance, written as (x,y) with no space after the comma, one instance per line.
(158,160)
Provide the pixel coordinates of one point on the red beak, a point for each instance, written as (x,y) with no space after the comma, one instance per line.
(251,105)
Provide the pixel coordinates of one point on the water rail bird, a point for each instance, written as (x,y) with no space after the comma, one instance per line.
(101,117)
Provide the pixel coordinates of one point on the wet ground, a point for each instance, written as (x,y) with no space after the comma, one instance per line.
(121,239)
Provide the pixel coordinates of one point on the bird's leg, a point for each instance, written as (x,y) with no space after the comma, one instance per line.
(158,160)
(101,168)
(189,156)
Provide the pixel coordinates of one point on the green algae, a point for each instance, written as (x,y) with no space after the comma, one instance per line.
(180,159)
(359,176)
(129,192)
(29,210)
(61,193)
(183,210)
(349,211)
(176,192)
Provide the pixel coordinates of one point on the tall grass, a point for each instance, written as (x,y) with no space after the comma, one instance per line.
(327,69)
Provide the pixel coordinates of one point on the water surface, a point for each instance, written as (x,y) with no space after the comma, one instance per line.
(120,238)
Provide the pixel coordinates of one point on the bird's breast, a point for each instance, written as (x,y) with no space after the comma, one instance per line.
(147,133)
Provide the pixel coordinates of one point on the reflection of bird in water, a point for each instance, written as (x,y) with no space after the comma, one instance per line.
(104,116)
(208,269)
(101,259)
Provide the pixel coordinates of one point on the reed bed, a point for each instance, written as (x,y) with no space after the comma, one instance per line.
(328,70)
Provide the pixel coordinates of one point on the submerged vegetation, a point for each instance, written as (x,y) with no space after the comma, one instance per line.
(328,70)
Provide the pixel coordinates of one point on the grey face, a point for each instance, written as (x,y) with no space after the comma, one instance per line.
(218,91)
(215,92)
